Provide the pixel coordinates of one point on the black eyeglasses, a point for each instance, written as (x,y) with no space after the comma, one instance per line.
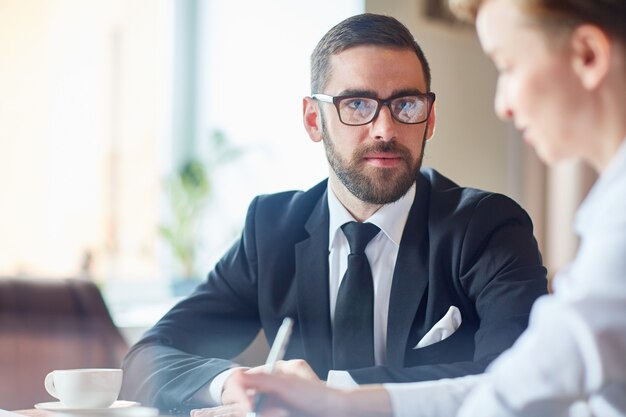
(357,111)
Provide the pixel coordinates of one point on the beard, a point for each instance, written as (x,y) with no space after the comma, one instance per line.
(370,184)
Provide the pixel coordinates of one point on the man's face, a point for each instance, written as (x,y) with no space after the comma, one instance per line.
(376,162)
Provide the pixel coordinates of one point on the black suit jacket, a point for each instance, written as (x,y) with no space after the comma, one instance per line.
(463,247)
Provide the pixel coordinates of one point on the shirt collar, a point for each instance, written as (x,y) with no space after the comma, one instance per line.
(390,218)
(601,190)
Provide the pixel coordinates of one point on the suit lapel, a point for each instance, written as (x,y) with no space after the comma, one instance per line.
(410,276)
(312,279)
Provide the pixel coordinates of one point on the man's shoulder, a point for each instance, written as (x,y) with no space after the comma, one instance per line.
(289,207)
(293,199)
(286,214)
(448,199)
(442,186)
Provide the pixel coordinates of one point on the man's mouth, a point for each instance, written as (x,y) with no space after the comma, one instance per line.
(383,159)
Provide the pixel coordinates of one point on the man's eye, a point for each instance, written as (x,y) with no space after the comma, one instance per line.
(405,105)
(358,104)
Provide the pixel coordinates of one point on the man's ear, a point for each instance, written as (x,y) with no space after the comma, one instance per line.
(312,118)
(430,127)
(591,55)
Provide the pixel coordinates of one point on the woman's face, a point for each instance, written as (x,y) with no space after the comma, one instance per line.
(537,87)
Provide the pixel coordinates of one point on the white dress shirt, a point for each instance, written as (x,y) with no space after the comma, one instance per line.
(571,361)
(381,253)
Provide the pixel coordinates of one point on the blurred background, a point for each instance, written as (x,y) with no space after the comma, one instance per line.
(134,133)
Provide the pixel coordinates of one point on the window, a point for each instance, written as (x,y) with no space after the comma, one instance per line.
(91,124)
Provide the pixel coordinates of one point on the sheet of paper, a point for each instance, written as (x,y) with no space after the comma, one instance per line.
(5,413)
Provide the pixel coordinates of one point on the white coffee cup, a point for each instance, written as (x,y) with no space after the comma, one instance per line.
(85,388)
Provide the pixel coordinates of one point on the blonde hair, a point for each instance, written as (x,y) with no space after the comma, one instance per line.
(554,14)
(465,10)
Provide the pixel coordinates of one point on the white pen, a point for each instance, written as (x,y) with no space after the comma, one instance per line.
(277,352)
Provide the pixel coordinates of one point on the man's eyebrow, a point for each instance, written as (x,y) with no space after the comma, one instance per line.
(406,92)
(372,94)
(357,93)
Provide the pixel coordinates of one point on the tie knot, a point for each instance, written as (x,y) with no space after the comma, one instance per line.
(359,235)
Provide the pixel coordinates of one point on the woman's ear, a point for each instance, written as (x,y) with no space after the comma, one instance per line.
(591,59)
(430,127)
(312,118)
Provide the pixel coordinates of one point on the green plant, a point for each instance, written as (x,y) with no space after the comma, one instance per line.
(188,192)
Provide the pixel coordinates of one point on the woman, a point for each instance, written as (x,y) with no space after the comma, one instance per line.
(562,81)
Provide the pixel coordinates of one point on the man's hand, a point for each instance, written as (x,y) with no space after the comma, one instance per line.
(297,367)
(289,377)
(294,396)
(237,400)
(233,392)
(301,398)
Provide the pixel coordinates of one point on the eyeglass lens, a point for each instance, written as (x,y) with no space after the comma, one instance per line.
(361,110)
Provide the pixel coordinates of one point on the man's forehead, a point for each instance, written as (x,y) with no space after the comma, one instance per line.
(375,68)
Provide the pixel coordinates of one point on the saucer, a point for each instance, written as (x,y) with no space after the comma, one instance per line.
(115,408)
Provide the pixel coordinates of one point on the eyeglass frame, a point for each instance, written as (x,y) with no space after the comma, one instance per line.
(336,100)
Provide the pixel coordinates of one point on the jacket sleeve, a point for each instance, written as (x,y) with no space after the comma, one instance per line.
(496,267)
(194,341)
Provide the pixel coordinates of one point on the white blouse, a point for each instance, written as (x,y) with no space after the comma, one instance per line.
(571,361)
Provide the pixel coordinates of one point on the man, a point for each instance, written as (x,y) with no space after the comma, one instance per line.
(449,274)
(558,63)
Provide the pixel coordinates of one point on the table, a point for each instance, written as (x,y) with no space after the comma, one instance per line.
(33,412)
(119,412)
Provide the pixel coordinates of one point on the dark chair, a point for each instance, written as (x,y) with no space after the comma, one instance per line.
(51,324)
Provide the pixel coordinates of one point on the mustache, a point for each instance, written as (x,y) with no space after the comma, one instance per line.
(383,147)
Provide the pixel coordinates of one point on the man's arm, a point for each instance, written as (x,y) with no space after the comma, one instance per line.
(194,341)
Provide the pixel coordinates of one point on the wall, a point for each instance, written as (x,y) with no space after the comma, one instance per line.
(474,148)
(471,145)
(81,93)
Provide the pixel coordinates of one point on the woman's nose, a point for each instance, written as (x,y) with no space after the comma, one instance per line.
(501,103)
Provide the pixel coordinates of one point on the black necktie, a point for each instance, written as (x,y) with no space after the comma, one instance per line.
(353,332)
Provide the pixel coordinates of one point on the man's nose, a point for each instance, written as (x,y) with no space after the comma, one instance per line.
(384,125)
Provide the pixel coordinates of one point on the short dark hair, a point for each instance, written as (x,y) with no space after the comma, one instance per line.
(360,30)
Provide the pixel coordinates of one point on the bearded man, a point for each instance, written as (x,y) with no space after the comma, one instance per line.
(391,272)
